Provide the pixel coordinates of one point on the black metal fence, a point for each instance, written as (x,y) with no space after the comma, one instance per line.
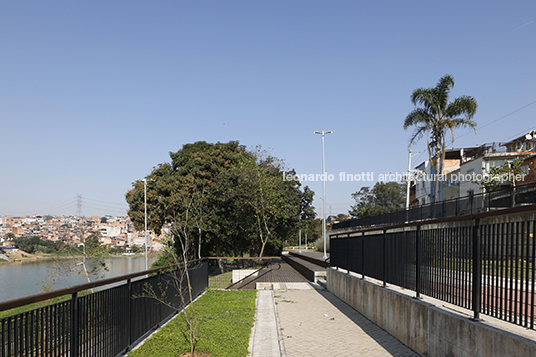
(221,270)
(104,323)
(486,265)
(479,203)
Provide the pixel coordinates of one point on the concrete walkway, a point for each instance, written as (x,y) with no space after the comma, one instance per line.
(302,319)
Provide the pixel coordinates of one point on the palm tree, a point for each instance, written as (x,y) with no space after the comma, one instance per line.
(436,116)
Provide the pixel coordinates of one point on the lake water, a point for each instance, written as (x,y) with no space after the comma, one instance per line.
(23,279)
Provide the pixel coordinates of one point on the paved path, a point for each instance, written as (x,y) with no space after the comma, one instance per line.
(316,323)
(275,271)
(265,337)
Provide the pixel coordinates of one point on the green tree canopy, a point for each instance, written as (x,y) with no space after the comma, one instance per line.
(226,199)
(381,198)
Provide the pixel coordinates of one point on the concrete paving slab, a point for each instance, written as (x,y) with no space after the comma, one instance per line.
(265,341)
(317,323)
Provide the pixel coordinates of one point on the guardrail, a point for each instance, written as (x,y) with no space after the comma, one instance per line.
(104,323)
(480,203)
(486,265)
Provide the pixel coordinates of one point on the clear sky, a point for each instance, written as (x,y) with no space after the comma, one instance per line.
(94,94)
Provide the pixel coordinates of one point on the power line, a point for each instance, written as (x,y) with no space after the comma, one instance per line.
(106,202)
(518,134)
(77,203)
(501,118)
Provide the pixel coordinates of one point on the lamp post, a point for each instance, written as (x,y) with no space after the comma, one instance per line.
(408,176)
(323,189)
(145,200)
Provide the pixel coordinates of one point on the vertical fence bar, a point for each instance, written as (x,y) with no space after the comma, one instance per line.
(501,272)
(521,280)
(487,266)
(418,262)
(384,252)
(362,255)
(509,271)
(347,253)
(129,311)
(477,266)
(516,271)
(74,325)
(9,336)
(526,278)
(533,271)
(433,262)
(496,260)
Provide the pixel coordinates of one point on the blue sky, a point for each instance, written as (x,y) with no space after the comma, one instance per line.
(94,94)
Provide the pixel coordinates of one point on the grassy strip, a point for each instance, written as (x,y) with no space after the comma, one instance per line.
(220,281)
(225,322)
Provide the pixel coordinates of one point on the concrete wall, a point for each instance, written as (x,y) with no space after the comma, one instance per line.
(426,328)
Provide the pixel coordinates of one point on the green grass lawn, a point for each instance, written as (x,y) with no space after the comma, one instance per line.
(225,322)
(220,281)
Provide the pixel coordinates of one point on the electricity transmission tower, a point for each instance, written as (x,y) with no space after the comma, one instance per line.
(79,212)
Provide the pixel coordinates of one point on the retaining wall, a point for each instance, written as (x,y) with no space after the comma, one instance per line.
(430,327)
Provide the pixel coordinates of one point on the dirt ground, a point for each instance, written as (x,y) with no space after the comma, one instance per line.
(20,256)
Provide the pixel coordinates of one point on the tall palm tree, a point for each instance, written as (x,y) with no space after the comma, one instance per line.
(434,116)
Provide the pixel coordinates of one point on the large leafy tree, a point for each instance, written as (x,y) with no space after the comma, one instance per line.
(381,198)
(226,199)
(276,208)
(434,116)
(183,194)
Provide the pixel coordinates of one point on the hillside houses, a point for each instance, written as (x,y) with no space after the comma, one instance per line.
(464,165)
(112,231)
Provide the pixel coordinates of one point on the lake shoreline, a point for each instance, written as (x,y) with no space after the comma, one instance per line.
(22,257)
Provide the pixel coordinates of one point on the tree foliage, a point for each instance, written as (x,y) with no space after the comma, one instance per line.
(508,173)
(35,244)
(226,199)
(381,198)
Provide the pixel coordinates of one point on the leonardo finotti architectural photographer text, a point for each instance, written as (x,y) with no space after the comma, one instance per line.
(399,177)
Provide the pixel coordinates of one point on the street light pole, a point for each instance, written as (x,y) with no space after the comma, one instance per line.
(145,199)
(409,175)
(323,189)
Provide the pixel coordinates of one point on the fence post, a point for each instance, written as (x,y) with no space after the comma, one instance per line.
(74,325)
(362,255)
(160,304)
(477,270)
(418,262)
(129,328)
(347,254)
(384,258)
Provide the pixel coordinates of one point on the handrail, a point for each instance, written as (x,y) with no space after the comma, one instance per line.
(402,215)
(11,304)
(470,217)
(241,258)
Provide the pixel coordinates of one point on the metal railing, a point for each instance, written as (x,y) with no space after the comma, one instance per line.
(479,203)
(484,263)
(221,268)
(104,323)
